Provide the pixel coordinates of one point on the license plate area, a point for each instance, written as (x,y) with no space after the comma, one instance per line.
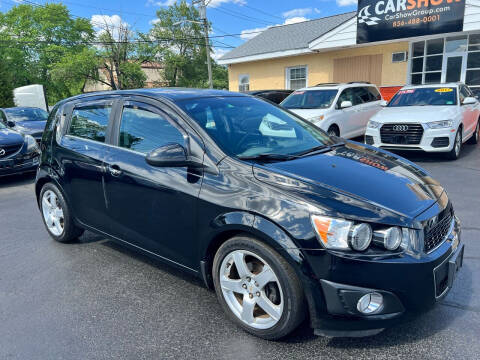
(6,164)
(445,273)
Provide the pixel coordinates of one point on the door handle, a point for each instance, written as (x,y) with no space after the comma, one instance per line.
(115,170)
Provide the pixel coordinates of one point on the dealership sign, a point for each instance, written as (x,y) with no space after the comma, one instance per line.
(379,20)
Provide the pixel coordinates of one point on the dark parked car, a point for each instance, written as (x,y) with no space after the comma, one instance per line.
(26,120)
(276,96)
(280,219)
(18,153)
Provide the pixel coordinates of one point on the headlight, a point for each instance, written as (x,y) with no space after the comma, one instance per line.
(442,124)
(317,118)
(31,143)
(340,234)
(390,238)
(373,124)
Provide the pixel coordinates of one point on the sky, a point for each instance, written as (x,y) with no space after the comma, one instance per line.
(243,18)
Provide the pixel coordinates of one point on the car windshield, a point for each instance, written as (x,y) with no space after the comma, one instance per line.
(249,127)
(425,97)
(26,114)
(310,99)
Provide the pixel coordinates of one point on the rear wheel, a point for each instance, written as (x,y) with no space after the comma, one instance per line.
(474,138)
(257,288)
(457,146)
(56,215)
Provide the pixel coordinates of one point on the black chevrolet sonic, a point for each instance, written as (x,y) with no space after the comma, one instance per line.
(282,220)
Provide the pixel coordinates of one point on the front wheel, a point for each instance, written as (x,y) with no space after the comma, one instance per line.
(56,215)
(457,146)
(333,131)
(257,288)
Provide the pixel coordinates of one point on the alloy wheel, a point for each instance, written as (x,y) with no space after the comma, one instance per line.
(251,289)
(52,213)
(458,142)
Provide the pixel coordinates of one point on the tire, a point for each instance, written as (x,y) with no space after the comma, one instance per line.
(333,130)
(56,215)
(282,294)
(474,139)
(457,146)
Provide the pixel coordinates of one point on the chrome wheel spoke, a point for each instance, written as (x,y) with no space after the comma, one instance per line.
(271,309)
(265,277)
(239,260)
(247,309)
(231,285)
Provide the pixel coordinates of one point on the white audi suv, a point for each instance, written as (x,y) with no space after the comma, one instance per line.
(432,118)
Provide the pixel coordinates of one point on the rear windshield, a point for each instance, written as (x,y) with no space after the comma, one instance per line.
(22,114)
(425,97)
(310,99)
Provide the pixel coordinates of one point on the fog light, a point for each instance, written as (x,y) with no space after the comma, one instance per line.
(370,303)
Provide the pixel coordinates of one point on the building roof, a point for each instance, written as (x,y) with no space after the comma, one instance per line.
(288,37)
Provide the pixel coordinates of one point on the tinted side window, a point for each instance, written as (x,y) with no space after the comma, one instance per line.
(3,117)
(363,94)
(90,122)
(144,129)
(375,94)
(349,95)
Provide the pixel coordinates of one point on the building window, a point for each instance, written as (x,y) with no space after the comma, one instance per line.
(399,57)
(450,59)
(243,83)
(296,77)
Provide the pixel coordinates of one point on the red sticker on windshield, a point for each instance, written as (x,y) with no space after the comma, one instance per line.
(410,91)
(299,92)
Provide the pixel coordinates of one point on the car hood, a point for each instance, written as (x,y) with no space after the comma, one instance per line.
(10,137)
(417,114)
(357,179)
(308,113)
(32,126)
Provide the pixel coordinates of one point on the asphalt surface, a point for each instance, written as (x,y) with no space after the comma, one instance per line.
(96,300)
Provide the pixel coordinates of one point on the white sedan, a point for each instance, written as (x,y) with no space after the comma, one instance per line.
(432,118)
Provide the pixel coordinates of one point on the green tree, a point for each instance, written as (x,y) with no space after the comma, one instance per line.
(180,46)
(118,55)
(40,43)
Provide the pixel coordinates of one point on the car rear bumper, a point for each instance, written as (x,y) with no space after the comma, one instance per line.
(409,286)
(433,140)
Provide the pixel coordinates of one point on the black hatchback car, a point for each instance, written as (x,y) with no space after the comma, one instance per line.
(280,219)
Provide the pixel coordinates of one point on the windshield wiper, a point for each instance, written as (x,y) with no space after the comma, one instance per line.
(268,157)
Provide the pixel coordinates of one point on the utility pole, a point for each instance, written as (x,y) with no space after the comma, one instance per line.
(203,16)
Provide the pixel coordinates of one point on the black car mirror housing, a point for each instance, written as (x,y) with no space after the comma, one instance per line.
(171,155)
(10,123)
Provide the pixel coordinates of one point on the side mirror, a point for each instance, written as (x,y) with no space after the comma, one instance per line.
(10,123)
(383,103)
(469,101)
(346,104)
(170,155)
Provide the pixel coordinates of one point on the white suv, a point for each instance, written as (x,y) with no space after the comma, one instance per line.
(339,109)
(434,118)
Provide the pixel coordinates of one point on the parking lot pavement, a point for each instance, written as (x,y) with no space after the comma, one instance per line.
(96,300)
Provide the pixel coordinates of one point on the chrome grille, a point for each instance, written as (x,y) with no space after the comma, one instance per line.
(436,234)
(405,134)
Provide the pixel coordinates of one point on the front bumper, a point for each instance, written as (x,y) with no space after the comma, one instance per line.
(18,166)
(409,285)
(433,140)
